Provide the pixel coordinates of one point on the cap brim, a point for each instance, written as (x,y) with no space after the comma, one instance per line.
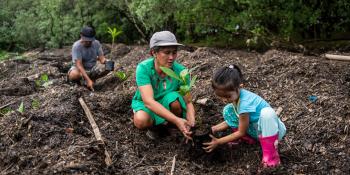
(169,44)
(84,38)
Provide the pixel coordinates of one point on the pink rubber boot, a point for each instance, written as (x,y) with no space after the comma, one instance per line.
(246,139)
(270,157)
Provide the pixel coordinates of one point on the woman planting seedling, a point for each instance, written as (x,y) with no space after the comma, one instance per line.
(159,99)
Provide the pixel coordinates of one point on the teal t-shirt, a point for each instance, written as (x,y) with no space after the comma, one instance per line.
(249,102)
(146,74)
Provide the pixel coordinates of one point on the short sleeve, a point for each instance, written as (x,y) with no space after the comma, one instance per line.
(246,106)
(76,53)
(142,75)
(99,49)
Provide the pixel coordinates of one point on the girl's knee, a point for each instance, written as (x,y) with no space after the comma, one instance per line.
(142,120)
(268,114)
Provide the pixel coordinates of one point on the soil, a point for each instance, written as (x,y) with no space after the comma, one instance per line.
(54,136)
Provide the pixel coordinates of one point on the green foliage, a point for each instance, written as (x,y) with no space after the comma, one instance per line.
(21,108)
(35,104)
(55,23)
(122,75)
(5,111)
(183,77)
(114,33)
(4,55)
(43,81)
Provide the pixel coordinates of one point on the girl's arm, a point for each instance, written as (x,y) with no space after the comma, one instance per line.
(219,127)
(242,129)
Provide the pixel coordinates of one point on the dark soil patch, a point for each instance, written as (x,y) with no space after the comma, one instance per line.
(53,134)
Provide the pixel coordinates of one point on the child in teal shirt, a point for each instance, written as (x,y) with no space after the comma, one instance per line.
(249,115)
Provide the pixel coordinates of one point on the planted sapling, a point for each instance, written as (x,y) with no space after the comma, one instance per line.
(185,88)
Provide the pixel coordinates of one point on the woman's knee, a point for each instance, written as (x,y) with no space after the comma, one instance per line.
(175,107)
(142,120)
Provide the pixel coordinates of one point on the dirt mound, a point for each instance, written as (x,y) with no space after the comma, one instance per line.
(53,135)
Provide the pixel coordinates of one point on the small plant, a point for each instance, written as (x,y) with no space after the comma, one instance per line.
(35,104)
(114,33)
(4,55)
(122,75)
(21,108)
(43,81)
(5,111)
(186,87)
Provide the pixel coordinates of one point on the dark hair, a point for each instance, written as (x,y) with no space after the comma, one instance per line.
(227,78)
(157,48)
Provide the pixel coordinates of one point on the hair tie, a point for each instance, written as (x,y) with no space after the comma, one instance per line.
(231,66)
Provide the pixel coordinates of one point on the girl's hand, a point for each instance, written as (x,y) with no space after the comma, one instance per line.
(211,145)
(213,129)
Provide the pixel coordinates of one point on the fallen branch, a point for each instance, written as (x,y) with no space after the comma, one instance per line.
(337,57)
(5,105)
(96,130)
(173,166)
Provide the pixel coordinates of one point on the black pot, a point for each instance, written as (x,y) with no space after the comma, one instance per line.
(109,65)
(200,137)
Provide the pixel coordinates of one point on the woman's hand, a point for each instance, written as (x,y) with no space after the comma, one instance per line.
(211,145)
(184,126)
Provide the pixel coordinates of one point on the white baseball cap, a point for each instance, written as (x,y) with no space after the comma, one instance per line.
(163,38)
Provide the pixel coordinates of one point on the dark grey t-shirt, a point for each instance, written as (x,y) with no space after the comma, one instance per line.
(88,55)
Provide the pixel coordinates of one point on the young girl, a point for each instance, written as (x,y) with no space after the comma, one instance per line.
(249,115)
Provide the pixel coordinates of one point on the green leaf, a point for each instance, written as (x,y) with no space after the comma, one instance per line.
(184,73)
(193,80)
(184,89)
(121,75)
(35,104)
(44,78)
(21,108)
(170,73)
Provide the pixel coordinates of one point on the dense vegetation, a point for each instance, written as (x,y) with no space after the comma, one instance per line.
(54,23)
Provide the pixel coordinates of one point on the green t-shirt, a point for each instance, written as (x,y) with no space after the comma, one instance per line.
(146,74)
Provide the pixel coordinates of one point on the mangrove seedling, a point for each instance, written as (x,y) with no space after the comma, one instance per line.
(185,88)
(122,75)
(35,104)
(114,33)
(43,81)
(21,108)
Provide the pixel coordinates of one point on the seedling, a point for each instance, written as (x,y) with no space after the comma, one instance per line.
(35,104)
(185,88)
(5,111)
(43,81)
(122,75)
(114,33)
(21,108)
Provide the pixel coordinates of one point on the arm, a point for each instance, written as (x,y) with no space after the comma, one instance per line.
(242,129)
(220,127)
(89,82)
(102,59)
(153,105)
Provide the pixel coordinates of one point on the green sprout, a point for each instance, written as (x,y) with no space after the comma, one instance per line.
(114,33)
(35,104)
(21,108)
(122,75)
(43,81)
(185,88)
(5,111)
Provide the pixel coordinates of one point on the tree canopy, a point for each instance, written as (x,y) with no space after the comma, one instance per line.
(40,23)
